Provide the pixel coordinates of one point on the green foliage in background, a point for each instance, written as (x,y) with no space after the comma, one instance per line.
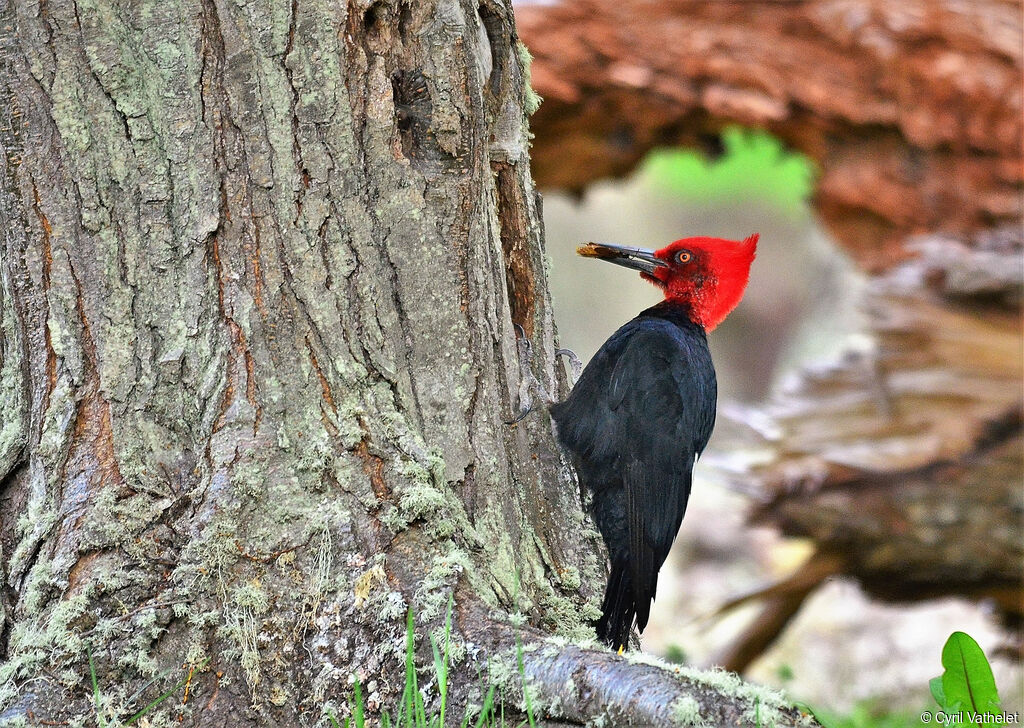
(675,655)
(755,166)
(967,684)
(870,714)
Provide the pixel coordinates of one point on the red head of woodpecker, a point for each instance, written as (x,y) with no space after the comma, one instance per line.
(707,275)
(643,410)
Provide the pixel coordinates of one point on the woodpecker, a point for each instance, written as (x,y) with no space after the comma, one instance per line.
(643,409)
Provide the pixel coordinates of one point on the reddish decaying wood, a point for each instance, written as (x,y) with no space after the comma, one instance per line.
(911,110)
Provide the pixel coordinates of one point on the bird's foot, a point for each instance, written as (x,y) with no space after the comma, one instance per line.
(575,365)
(529,387)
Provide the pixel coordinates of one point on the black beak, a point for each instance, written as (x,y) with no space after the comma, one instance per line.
(636,258)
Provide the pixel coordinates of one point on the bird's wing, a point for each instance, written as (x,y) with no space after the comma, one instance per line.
(661,394)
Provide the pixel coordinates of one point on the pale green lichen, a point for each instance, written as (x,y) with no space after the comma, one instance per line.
(503,672)
(561,609)
(764,704)
(421,500)
(566,618)
(434,591)
(252,596)
(242,625)
(516,619)
(43,639)
(686,712)
(570,578)
(392,519)
(323,561)
(531,99)
(14,424)
(393,606)
(248,478)
(114,521)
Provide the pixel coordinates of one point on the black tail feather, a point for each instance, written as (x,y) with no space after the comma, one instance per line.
(618,612)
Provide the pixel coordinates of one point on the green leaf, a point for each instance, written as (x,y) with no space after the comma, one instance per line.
(967,682)
(935,685)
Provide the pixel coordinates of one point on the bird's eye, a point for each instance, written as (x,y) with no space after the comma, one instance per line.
(683,256)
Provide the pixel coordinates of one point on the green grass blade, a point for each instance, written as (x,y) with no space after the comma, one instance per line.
(441,663)
(486,712)
(148,684)
(357,709)
(421,713)
(408,694)
(439,671)
(95,689)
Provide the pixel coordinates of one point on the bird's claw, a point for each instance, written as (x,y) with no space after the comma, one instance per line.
(575,365)
(529,385)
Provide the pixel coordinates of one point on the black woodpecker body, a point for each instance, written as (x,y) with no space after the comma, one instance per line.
(643,410)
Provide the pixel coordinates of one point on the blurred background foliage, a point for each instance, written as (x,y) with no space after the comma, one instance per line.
(748,165)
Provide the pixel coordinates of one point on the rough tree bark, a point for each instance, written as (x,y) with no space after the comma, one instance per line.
(261,266)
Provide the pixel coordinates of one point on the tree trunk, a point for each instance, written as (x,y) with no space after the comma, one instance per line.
(261,271)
